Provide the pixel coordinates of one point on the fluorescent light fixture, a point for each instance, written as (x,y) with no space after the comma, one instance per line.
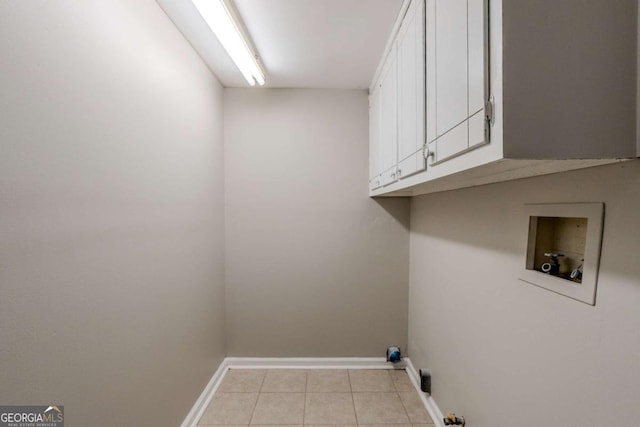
(217,15)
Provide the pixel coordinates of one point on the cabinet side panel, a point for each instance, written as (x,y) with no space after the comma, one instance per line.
(569,78)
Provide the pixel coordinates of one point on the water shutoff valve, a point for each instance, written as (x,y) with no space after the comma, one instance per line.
(453,420)
(394,355)
(552,267)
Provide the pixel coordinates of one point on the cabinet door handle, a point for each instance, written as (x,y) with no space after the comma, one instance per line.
(428,154)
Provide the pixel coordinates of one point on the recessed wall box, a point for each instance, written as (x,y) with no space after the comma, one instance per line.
(563,248)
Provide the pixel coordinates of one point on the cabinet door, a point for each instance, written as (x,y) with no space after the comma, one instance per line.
(476,40)
(375,183)
(430,63)
(374,137)
(451,64)
(411,94)
(389,114)
(460,28)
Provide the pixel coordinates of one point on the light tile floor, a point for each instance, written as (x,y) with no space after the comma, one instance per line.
(321,397)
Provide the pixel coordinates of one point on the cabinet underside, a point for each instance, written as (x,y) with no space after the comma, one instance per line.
(498,171)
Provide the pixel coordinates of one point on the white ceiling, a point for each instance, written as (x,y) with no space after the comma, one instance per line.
(301,43)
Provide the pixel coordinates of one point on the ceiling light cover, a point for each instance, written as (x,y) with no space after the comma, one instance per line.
(217,15)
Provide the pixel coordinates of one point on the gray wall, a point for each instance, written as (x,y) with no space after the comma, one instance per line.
(579,61)
(111,226)
(314,267)
(504,352)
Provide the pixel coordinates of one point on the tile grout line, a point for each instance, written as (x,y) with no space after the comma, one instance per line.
(353,401)
(404,406)
(395,387)
(258,397)
(304,405)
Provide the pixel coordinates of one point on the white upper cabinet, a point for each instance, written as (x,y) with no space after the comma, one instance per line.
(476,66)
(388,157)
(374,139)
(411,75)
(493,90)
(476,63)
(451,64)
(459,77)
(430,65)
(397,104)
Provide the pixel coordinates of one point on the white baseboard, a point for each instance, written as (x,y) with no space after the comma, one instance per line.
(205,397)
(310,363)
(305,363)
(427,400)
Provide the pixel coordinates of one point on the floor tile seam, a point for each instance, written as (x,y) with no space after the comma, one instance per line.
(392,382)
(237,392)
(304,405)
(386,392)
(395,385)
(377,392)
(405,408)
(329,392)
(353,402)
(257,399)
(374,391)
